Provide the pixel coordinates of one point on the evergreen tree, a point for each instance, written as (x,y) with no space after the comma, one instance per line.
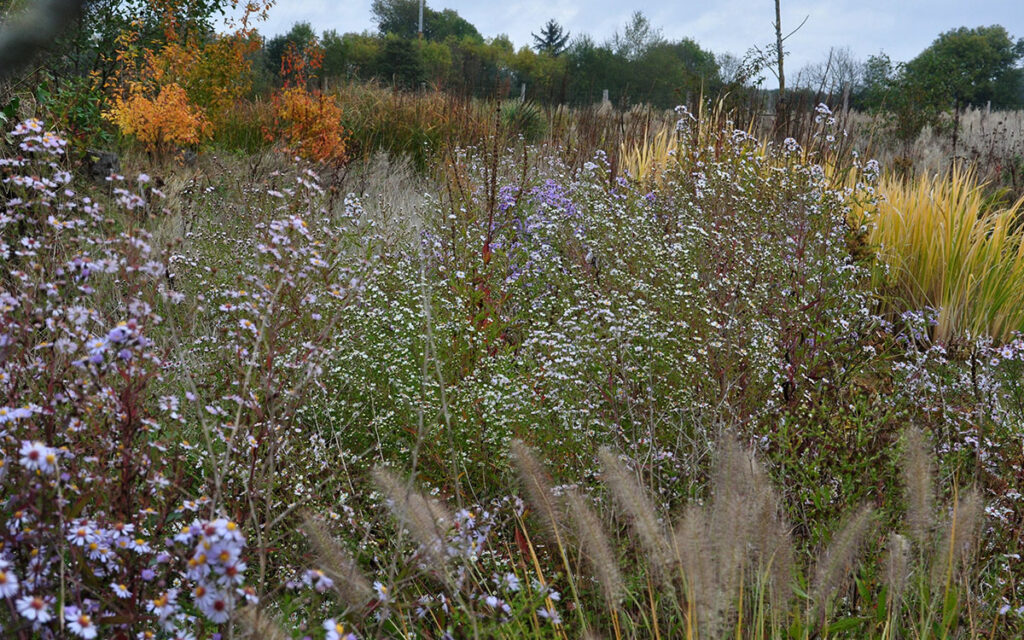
(551,40)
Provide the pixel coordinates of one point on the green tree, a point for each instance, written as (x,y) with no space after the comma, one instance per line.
(592,68)
(362,52)
(551,40)
(400,62)
(638,36)
(888,91)
(437,61)
(449,24)
(966,67)
(336,57)
(878,78)
(401,18)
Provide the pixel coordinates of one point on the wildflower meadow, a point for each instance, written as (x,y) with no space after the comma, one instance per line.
(376,363)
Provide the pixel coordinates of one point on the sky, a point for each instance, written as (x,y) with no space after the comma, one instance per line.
(900,28)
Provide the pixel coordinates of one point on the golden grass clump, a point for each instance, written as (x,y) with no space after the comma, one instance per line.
(941,245)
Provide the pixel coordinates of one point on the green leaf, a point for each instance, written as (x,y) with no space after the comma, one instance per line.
(845,624)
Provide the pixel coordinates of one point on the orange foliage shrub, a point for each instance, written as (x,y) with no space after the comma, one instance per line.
(309,124)
(178,92)
(298,66)
(161,123)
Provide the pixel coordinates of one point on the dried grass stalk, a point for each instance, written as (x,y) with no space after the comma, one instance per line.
(596,548)
(634,504)
(334,560)
(426,519)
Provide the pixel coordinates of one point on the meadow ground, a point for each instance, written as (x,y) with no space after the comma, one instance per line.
(573,383)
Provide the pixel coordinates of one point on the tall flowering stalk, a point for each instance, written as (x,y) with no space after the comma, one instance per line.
(91,535)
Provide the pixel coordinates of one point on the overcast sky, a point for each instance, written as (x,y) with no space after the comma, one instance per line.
(901,28)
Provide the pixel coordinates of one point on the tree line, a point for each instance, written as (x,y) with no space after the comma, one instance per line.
(963,67)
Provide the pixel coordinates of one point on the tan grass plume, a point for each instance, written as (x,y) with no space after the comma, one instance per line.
(426,519)
(537,484)
(596,548)
(897,566)
(839,559)
(957,545)
(918,485)
(634,503)
(335,561)
(259,625)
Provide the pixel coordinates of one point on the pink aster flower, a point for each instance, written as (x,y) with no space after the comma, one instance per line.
(33,608)
(36,456)
(81,624)
(8,581)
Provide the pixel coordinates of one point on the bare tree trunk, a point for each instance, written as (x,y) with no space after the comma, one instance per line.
(781,112)
(778,46)
(956,130)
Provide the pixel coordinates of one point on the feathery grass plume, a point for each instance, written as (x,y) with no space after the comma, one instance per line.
(777,559)
(694,554)
(596,548)
(717,545)
(426,519)
(897,567)
(633,502)
(538,487)
(769,531)
(334,560)
(259,625)
(957,544)
(742,511)
(918,485)
(838,560)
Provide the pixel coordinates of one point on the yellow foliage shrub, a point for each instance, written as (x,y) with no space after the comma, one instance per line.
(160,123)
